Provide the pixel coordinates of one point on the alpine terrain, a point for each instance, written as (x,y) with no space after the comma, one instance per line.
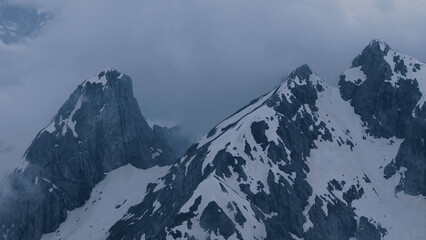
(98,129)
(305,161)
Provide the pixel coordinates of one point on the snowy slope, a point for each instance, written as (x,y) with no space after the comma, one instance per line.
(402,215)
(297,163)
(109,201)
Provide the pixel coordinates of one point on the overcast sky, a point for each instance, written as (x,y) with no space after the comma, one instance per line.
(191,61)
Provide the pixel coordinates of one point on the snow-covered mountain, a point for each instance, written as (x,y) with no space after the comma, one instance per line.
(98,129)
(304,161)
(388,90)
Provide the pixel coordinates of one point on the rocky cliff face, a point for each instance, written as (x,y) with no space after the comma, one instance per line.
(305,161)
(387,89)
(99,128)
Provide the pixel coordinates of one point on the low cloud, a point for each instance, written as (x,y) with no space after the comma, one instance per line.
(4,147)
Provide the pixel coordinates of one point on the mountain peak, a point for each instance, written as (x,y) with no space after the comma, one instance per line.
(304,77)
(109,82)
(98,129)
(105,76)
(376,43)
(109,70)
(300,143)
(373,53)
(378,73)
(303,72)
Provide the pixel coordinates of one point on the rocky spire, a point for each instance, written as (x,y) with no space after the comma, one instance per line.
(387,89)
(99,128)
(303,72)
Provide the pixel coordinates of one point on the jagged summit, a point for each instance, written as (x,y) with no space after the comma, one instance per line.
(299,162)
(382,63)
(303,72)
(301,87)
(378,43)
(386,87)
(304,75)
(109,83)
(98,129)
(388,90)
(105,105)
(109,69)
(105,76)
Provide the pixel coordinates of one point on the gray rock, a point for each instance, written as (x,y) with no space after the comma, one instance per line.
(367,231)
(285,201)
(391,111)
(385,108)
(213,219)
(99,128)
